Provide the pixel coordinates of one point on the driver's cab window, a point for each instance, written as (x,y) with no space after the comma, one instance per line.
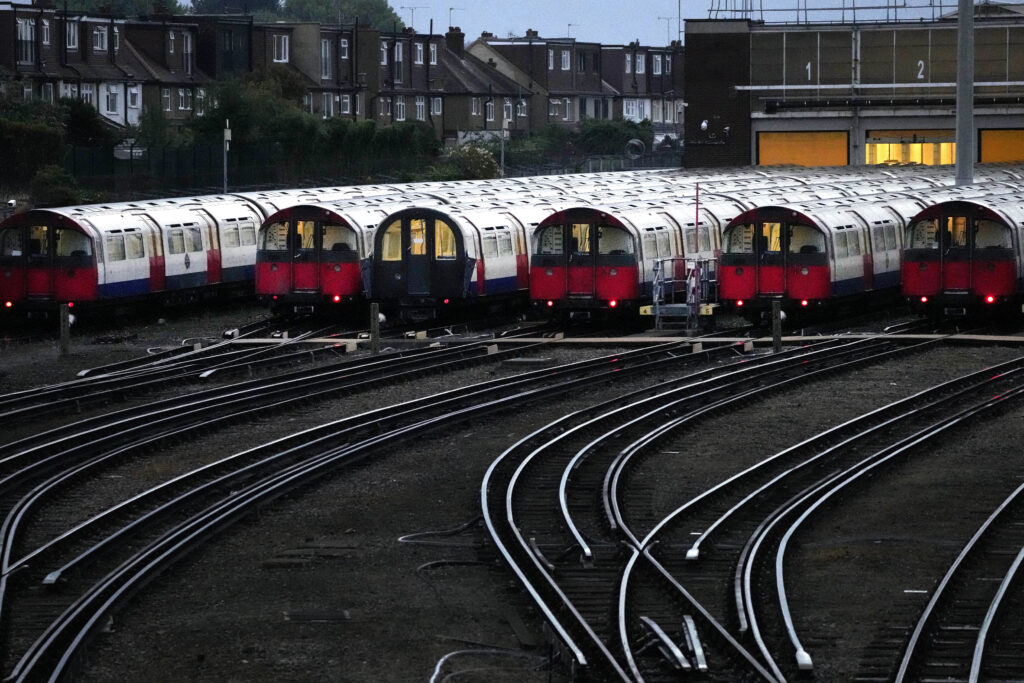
(770,238)
(579,241)
(991,234)
(275,236)
(38,241)
(305,235)
(803,239)
(391,242)
(338,239)
(740,240)
(10,242)
(613,241)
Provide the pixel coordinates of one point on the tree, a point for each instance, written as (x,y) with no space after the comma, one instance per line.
(375,13)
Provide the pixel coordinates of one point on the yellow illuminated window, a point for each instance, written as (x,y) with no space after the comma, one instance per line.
(418,237)
(38,240)
(444,241)
(391,244)
(580,238)
(771,237)
(304,232)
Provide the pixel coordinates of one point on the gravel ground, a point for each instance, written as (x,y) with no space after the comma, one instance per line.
(319,587)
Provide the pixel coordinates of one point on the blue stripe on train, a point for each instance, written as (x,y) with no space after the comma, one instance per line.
(502,285)
(238,273)
(125,288)
(186,281)
(855,285)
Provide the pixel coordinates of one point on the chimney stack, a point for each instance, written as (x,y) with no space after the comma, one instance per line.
(456,41)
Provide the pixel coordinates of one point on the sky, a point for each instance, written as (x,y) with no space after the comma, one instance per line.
(618,22)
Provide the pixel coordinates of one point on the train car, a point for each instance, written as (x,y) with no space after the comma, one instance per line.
(963,257)
(810,255)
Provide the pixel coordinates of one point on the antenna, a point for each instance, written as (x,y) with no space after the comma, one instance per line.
(412,13)
(450,10)
(667,34)
(568,31)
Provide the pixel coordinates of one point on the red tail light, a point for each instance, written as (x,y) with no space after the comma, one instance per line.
(990,299)
(71,304)
(447,301)
(613,303)
(550,304)
(739,304)
(336,298)
(804,302)
(8,304)
(924,299)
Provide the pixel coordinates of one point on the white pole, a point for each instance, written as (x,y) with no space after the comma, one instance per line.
(227,146)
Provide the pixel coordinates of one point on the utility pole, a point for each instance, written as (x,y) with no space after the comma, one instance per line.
(227,146)
(965,93)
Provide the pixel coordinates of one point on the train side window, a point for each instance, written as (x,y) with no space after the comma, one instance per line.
(664,250)
(504,244)
(38,240)
(803,239)
(923,235)
(229,238)
(703,238)
(613,241)
(194,240)
(391,243)
(134,246)
(338,237)
(444,241)
(890,237)
(275,236)
(10,242)
(247,234)
(740,240)
(490,243)
(878,238)
(989,233)
(841,249)
(176,241)
(690,235)
(72,243)
(113,245)
(650,246)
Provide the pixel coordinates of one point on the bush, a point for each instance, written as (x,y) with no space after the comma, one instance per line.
(474,162)
(53,186)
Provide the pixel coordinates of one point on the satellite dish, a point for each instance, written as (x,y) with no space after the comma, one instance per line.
(635,148)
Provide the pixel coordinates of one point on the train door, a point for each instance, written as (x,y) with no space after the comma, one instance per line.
(302,248)
(885,252)
(39,268)
(771,258)
(581,271)
(417,265)
(12,264)
(955,253)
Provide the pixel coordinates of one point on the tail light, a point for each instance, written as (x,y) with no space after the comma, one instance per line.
(804,302)
(336,298)
(71,304)
(447,301)
(613,303)
(8,304)
(739,304)
(924,299)
(990,299)
(550,303)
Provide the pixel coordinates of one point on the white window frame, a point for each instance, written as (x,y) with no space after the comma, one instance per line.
(551,59)
(187,51)
(641,64)
(71,35)
(566,60)
(200,101)
(46,93)
(521,108)
(46,31)
(383,53)
(418,53)
(325,58)
(553,107)
(399,107)
(184,99)
(568,109)
(421,108)
(343,48)
(436,107)
(346,104)
(281,48)
(506,109)
(170,42)
(99,38)
(117,38)
(26,90)
(656,65)
(133,96)
(668,64)
(88,93)
(165,98)
(26,41)
(327,105)
(474,105)
(433,53)
(489,110)
(111,104)
(629,63)
(307,101)
(398,61)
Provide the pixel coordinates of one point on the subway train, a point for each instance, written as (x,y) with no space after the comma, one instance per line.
(810,255)
(963,257)
(182,249)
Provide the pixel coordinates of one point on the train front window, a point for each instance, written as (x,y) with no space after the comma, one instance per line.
(10,242)
(803,239)
(38,240)
(391,243)
(549,240)
(338,238)
(275,236)
(613,241)
(923,234)
(305,235)
(580,240)
(740,240)
(418,237)
(956,231)
(770,237)
(991,234)
(72,243)
(444,241)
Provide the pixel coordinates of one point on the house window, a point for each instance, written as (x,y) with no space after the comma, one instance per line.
(668,64)
(227,40)
(521,108)
(307,102)
(656,64)
(89,93)
(117,39)
(489,108)
(26,41)
(47,93)
(475,106)
(346,104)
(26,90)
(188,53)
(384,106)
(507,109)
(46,31)
(69,90)
(133,97)
(325,58)
(343,48)
(551,60)
(656,111)
(170,42)
(383,53)
(398,62)
(280,48)
(435,106)
(112,105)
(640,64)
(553,107)
(400,107)
(99,38)
(629,109)
(165,98)
(327,105)
(71,35)
(421,108)
(565,60)
(184,99)
(418,53)
(565,114)
(629,64)
(433,53)
(200,101)
(581,62)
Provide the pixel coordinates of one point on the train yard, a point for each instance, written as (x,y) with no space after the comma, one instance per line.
(468,508)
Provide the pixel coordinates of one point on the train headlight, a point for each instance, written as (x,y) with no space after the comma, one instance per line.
(804,271)
(990,299)
(739,271)
(337,268)
(273,266)
(613,271)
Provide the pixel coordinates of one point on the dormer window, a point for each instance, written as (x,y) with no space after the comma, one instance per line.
(117,39)
(46,31)
(71,35)
(99,38)
(280,48)
(170,42)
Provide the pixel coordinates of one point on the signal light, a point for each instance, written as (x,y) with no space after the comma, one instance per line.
(336,298)
(924,299)
(447,301)
(275,297)
(71,304)
(613,303)
(804,302)
(990,299)
(550,304)
(739,304)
